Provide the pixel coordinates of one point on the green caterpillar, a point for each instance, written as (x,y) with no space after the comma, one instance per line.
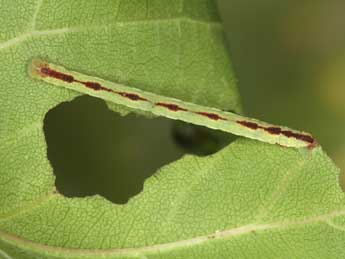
(170,107)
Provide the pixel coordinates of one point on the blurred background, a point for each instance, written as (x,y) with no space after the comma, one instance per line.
(289,58)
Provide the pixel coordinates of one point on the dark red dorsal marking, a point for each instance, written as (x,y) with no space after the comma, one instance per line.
(93,85)
(303,137)
(212,116)
(46,71)
(273,130)
(248,124)
(277,131)
(55,74)
(171,106)
(131,96)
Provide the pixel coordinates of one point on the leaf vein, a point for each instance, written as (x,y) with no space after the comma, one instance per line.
(242,230)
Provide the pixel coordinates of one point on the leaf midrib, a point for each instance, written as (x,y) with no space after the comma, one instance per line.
(242,230)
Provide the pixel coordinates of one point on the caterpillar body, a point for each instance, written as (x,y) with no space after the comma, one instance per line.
(169,107)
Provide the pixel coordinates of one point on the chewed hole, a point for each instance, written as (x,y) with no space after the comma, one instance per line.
(96,151)
(93,150)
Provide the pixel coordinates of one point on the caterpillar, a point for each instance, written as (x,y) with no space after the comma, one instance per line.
(169,107)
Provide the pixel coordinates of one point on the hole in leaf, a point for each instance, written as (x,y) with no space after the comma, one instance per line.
(93,150)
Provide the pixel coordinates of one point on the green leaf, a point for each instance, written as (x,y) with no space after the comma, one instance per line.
(173,48)
(250,200)
(225,205)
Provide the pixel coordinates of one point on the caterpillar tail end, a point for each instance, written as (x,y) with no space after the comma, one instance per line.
(313,145)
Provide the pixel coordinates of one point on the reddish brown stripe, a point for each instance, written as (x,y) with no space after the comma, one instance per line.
(278,131)
(133,97)
(46,71)
(273,130)
(58,75)
(212,116)
(249,124)
(171,106)
(305,138)
(91,85)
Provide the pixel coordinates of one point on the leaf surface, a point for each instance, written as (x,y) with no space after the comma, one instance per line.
(249,200)
(289,206)
(166,47)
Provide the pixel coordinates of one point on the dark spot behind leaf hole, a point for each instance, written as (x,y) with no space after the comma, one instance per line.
(96,151)
(200,140)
